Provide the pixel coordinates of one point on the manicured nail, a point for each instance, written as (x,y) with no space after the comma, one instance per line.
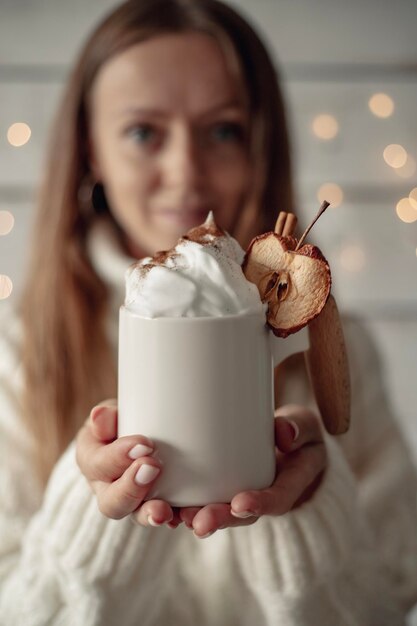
(172,525)
(98,411)
(243,514)
(139,450)
(146,474)
(152,522)
(295,429)
(203,536)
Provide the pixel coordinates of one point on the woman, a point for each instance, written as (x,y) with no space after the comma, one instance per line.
(172,109)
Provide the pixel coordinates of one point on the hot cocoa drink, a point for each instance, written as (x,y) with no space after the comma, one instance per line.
(200,277)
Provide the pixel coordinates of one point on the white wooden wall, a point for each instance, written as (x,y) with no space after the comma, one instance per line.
(334,55)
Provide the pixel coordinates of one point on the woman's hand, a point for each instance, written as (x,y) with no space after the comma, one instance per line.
(121,471)
(113,468)
(301,461)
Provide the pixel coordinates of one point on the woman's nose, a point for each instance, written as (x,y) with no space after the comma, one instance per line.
(183,166)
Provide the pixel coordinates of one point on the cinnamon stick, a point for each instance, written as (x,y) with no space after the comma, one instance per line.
(280,223)
(290,224)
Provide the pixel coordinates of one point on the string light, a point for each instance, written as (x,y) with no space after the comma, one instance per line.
(395,155)
(18,134)
(6,286)
(381,105)
(325,126)
(408,169)
(330,192)
(6,222)
(406,211)
(412,196)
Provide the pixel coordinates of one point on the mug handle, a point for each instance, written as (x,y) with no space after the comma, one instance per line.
(282,348)
(323,344)
(328,368)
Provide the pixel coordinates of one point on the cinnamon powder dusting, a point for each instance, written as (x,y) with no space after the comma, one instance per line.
(203,235)
(199,233)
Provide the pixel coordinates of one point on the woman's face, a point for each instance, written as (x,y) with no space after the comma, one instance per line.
(168,139)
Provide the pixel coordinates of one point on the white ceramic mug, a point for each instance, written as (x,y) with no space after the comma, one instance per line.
(202,389)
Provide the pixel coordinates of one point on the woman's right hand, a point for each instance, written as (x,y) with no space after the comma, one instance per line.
(122,471)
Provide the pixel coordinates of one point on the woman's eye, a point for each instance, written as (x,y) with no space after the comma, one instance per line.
(227,131)
(143,133)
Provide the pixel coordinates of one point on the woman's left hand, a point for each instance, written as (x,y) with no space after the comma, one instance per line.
(301,461)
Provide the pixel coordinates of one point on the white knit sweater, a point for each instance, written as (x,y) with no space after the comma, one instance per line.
(348,557)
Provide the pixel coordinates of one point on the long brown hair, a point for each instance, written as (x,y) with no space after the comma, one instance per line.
(67,360)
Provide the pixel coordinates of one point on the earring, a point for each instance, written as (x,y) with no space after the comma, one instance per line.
(91,198)
(98,199)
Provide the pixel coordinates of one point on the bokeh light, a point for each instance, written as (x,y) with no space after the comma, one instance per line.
(352,258)
(6,286)
(332,193)
(381,105)
(408,169)
(6,222)
(395,155)
(18,134)
(412,196)
(325,126)
(406,211)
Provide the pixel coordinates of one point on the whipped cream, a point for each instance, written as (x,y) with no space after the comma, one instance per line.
(200,277)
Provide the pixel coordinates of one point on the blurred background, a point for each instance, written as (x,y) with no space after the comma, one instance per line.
(350,77)
(349,71)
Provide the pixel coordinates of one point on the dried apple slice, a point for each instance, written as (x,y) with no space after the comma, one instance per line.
(294,280)
(326,358)
(294,283)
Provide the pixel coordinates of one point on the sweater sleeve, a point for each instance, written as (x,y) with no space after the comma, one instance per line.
(319,564)
(57,551)
(381,461)
(378,457)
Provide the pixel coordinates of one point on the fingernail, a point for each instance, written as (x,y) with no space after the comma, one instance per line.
(146,474)
(152,522)
(296,430)
(172,525)
(243,514)
(139,450)
(203,536)
(98,411)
